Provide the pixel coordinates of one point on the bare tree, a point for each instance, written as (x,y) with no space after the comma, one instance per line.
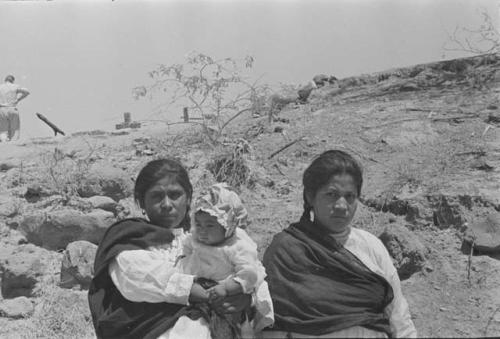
(484,39)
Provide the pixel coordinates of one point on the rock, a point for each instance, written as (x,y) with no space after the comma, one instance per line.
(127,208)
(320,79)
(9,206)
(482,165)
(305,91)
(36,192)
(21,270)
(20,307)
(332,79)
(77,266)
(448,210)
(411,133)
(405,248)
(54,230)
(102,202)
(14,237)
(277,102)
(104,179)
(5,166)
(485,234)
(493,118)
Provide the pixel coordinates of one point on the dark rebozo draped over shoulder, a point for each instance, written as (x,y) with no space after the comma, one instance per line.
(319,287)
(112,314)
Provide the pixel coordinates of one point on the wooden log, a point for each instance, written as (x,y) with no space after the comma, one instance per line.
(51,125)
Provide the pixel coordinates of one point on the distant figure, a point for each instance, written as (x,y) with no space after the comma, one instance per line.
(10,95)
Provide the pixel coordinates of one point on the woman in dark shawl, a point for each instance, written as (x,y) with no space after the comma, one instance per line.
(137,292)
(326,278)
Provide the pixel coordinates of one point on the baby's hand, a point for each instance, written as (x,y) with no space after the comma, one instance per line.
(217,293)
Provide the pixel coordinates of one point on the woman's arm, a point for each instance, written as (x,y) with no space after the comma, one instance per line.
(398,311)
(148,276)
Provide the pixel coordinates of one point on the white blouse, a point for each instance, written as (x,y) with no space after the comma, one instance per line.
(151,275)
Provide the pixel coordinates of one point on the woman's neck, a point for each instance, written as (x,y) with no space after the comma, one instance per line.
(341,237)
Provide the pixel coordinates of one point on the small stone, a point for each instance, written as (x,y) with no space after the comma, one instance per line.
(428,268)
(443,309)
(16,308)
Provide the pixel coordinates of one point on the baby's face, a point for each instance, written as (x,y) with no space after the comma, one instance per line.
(207,230)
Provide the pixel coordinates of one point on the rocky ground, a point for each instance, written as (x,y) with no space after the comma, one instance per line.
(428,137)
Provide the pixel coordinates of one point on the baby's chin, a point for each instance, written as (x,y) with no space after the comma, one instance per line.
(207,242)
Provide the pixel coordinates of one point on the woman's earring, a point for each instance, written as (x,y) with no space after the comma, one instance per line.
(143,212)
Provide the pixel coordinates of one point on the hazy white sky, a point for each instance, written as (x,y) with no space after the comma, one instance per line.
(81,59)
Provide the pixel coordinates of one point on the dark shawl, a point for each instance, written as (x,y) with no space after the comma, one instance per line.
(318,287)
(112,314)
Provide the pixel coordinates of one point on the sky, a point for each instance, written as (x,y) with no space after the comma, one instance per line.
(81,59)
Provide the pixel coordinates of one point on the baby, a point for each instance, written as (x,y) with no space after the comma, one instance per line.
(220,250)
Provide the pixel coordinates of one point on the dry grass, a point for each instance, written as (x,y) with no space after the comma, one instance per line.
(59,314)
(62,314)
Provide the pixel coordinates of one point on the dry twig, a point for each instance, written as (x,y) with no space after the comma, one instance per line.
(469,262)
(285,147)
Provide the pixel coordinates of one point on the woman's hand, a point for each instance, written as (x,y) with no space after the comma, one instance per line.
(216,294)
(198,294)
(233,303)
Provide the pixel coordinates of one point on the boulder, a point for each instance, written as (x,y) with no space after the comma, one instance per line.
(102,202)
(36,192)
(13,237)
(320,79)
(20,307)
(127,208)
(22,269)
(9,206)
(77,266)
(104,179)
(7,165)
(405,248)
(54,230)
(485,233)
(305,91)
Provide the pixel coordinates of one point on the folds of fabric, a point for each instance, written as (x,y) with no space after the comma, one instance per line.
(113,315)
(9,121)
(318,286)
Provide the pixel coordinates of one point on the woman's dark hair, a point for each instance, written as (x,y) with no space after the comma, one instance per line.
(326,165)
(156,170)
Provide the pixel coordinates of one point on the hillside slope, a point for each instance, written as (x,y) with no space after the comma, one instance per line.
(429,140)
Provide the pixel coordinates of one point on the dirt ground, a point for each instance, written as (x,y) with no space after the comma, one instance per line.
(419,142)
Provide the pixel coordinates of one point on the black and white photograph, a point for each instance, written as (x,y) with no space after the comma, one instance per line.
(236,169)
